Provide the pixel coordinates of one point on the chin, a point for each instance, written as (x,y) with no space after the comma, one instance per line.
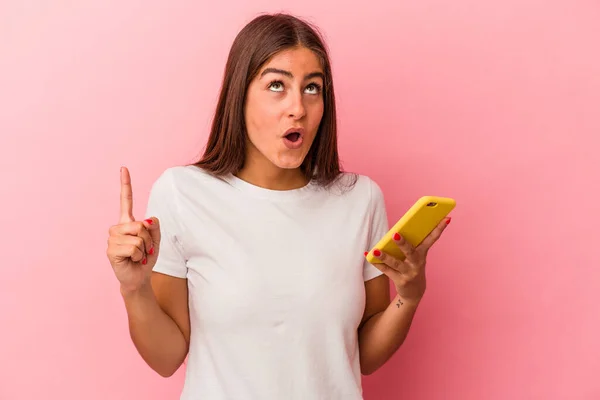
(289,165)
(289,162)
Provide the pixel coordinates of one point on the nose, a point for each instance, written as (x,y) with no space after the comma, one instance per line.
(297,109)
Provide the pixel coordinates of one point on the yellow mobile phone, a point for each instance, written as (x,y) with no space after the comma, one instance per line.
(415,225)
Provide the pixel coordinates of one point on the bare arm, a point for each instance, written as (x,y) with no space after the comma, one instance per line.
(156,304)
(159,322)
(384,327)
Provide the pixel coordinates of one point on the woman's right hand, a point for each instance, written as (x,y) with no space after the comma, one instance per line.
(132,245)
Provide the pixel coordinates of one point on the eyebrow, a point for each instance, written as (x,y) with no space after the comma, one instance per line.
(290,75)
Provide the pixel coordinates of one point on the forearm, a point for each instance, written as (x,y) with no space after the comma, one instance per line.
(155,335)
(383,334)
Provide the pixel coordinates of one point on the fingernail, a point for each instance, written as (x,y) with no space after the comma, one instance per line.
(144,261)
(448,220)
(366,252)
(376,253)
(397,236)
(149,221)
(151,251)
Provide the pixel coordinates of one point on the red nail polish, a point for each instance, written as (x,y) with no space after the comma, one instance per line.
(397,236)
(144,261)
(151,251)
(448,220)
(366,252)
(150,221)
(376,253)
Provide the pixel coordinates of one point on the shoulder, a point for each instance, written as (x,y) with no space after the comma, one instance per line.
(356,190)
(185,186)
(180,177)
(358,185)
(182,172)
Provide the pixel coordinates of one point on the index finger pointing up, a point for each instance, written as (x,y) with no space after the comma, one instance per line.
(126,197)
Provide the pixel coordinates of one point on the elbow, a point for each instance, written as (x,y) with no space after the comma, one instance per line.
(367,370)
(166,374)
(166,371)
(367,367)
(167,368)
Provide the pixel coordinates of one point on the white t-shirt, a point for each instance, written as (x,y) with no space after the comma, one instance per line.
(276,282)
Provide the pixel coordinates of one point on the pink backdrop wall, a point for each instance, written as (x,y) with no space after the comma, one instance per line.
(494,103)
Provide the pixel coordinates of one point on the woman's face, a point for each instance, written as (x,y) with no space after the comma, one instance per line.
(283,109)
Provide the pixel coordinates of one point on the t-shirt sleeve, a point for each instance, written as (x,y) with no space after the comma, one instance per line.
(379,227)
(162,204)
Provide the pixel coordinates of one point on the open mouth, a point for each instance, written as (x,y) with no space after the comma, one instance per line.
(293,136)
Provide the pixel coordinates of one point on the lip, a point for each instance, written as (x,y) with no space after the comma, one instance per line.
(299,129)
(293,145)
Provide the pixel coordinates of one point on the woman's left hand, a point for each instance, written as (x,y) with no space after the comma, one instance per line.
(408,275)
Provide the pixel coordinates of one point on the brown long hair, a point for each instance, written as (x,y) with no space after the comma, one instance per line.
(254,45)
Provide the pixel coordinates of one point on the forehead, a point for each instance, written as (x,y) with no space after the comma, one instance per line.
(298,59)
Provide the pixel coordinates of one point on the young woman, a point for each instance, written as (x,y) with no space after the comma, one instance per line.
(251,261)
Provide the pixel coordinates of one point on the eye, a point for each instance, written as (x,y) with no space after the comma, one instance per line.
(314,88)
(276,86)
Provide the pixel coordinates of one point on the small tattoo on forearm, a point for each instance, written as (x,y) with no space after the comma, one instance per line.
(399,303)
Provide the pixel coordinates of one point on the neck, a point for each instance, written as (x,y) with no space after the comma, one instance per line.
(269,176)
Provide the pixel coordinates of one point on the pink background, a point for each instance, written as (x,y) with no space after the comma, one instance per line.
(494,103)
